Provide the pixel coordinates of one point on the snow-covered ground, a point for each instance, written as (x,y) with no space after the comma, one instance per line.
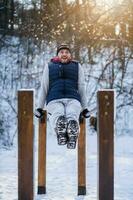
(62,171)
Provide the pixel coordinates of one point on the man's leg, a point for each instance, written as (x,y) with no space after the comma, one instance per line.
(58,122)
(73,110)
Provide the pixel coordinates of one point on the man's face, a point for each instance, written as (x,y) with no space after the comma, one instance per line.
(64,55)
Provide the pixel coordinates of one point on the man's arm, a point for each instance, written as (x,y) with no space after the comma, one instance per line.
(81,87)
(44,88)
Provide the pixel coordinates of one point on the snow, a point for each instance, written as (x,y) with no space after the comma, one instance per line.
(108,90)
(62,171)
(25,89)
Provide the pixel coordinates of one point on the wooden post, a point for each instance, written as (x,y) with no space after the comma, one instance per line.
(82,159)
(42,156)
(106,144)
(25,145)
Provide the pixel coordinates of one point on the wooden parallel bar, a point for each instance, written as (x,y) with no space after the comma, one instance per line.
(82,159)
(105,145)
(25,145)
(42,156)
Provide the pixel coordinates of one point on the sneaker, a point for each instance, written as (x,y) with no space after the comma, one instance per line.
(72,132)
(61,126)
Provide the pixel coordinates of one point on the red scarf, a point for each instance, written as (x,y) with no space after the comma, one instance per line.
(57,59)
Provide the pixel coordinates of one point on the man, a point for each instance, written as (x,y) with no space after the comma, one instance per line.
(63,92)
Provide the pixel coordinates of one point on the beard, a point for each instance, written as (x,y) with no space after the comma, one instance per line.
(65,59)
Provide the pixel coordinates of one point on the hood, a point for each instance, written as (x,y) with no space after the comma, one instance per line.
(57,60)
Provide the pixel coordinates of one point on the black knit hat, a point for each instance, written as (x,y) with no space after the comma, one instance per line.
(63,46)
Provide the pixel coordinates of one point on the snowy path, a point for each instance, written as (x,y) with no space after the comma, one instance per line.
(62,171)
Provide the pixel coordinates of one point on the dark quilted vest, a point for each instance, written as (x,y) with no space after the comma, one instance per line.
(63,81)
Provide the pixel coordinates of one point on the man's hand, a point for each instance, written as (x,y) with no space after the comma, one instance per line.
(39,112)
(86,113)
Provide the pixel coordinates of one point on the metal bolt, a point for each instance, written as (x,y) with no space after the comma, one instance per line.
(107,103)
(24,112)
(106,113)
(106,97)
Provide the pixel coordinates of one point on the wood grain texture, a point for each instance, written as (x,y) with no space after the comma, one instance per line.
(82,159)
(42,156)
(25,145)
(105,145)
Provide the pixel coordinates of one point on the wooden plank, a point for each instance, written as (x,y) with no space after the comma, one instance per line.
(25,145)
(42,156)
(82,159)
(106,145)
